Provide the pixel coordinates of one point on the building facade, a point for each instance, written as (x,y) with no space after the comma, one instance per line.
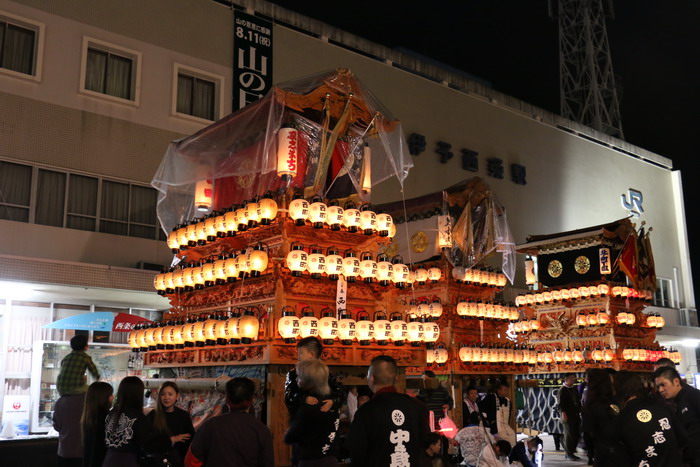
(91,93)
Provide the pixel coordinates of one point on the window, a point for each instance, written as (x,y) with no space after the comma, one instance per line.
(196,93)
(15,191)
(76,201)
(110,70)
(20,46)
(662,296)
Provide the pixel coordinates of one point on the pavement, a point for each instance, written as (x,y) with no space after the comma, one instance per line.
(554,458)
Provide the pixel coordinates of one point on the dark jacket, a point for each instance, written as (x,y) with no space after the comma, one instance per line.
(569,402)
(178,422)
(599,421)
(314,432)
(389,424)
(294,396)
(687,405)
(520,454)
(434,398)
(489,408)
(649,433)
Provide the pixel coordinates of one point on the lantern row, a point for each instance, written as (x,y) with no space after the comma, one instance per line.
(383,270)
(197,330)
(394,330)
(262,211)
(648,355)
(480,276)
(250,262)
(582,292)
(486,310)
(606,354)
(498,354)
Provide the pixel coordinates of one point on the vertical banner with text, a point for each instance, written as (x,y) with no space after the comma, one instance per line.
(252,58)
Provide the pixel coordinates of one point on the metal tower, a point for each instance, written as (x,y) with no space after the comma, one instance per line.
(587,85)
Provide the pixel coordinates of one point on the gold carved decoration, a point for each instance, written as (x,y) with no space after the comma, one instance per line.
(419,242)
(582,264)
(555,268)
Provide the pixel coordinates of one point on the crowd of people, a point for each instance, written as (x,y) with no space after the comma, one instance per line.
(623,422)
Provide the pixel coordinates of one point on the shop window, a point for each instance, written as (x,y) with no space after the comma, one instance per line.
(15,191)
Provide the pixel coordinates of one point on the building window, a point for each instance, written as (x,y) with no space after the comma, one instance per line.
(129,210)
(50,198)
(15,191)
(662,296)
(197,93)
(110,70)
(20,46)
(82,202)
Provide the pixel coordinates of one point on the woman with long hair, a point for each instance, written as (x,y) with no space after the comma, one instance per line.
(98,401)
(311,428)
(127,431)
(169,420)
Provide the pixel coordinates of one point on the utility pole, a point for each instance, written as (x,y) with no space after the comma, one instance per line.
(587,85)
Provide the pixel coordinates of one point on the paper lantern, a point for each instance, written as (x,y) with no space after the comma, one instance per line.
(400,272)
(231,268)
(554,295)
(267,210)
(316,264)
(252,214)
(419,309)
(392,230)
(299,210)
(347,329)
(221,331)
(287,153)
(575,294)
(351,266)
(530,276)
(351,217)
(288,325)
(628,354)
(567,356)
(334,264)
(220,270)
(462,308)
(248,326)
(210,330)
(173,241)
(364,328)
(178,336)
(368,268)
(385,270)
(501,280)
(577,356)
(581,320)
(399,329)
(181,234)
(466,354)
(191,233)
(384,223)
(430,357)
(198,332)
(168,282)
(435,309)
(597,355)
(132,338)
(651,320)
(593,319)
(603,290)
(421,275)
(178,278)
(583,292)
(334,215)
(328,327)
(297,259)
(434,274)
(317,212)
(242,263)
(431,333)
(608,354)
(631,319)
(242,221)
(208,273)
(458,273)
(441,355)
(230,224)
(622,318)
(603,318)
(382,328)
(204,190)
(414,331)
(308,324)
(660,321)
(368,219)
(548,357)
(159,283)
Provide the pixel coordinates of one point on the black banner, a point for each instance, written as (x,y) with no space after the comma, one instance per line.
(252,58)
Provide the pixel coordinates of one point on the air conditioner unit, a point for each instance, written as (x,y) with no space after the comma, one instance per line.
(688,317)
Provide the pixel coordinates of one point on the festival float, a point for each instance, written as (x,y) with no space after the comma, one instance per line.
(586,309)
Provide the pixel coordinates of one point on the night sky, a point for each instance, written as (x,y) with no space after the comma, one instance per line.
(513,44)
